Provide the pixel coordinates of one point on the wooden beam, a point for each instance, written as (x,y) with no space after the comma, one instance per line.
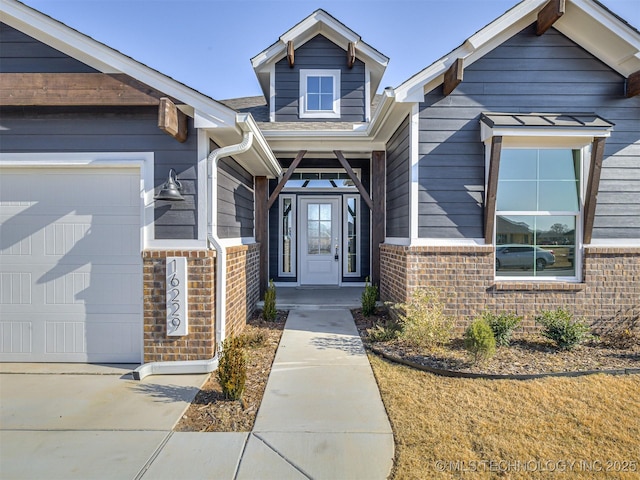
(378,214)
(632,85)
(351,54)
(285,178)
(290,53)
(597,154)
(262,232)
(354,178)
(453,76)
(171,120)
(69,89)
(492,189)
(550,13)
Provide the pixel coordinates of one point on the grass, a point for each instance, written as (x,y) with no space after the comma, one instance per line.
(443,425)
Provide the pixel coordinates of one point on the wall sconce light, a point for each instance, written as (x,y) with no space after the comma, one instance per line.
(171,188)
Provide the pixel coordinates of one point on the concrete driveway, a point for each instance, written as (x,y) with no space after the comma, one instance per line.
(67,421)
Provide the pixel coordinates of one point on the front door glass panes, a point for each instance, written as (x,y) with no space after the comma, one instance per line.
(319,93)
(319,229)
(537,212)
(352,235)
(287,235)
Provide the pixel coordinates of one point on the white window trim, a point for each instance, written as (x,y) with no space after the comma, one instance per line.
(294,239)
(345,236)
(303,111)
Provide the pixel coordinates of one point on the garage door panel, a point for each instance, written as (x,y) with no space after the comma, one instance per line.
(70,266)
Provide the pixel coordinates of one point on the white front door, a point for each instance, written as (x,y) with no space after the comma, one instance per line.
(320,240)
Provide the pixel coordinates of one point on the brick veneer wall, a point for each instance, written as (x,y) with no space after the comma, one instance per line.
(243,285)
(200,343)
(465,277)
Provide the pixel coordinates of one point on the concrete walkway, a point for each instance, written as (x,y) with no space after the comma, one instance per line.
(321,418)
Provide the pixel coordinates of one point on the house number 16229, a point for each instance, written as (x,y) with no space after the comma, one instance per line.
(177,296)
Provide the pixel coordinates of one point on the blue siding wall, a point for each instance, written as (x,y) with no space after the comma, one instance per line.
(320,53)
(527,73)
(235,200)
(397,182)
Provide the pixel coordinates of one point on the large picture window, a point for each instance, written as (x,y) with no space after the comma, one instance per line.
(537,212)
(319,93)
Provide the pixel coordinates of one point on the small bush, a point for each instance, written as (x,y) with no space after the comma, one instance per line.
(232,368)
(423,321)
(479,340)
(559,326)
(269,311)
(252,338)
(502,326)
(383,332)
(622,331)
(369,298)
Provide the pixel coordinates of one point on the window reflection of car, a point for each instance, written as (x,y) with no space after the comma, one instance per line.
(522,256)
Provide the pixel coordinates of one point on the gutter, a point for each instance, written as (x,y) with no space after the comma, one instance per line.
(206,366)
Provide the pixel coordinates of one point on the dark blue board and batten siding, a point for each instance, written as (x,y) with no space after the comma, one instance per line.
(525,74)
(97,129)
(397,182)
(320,53)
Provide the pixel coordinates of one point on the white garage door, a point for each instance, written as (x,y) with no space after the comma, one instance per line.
(70,265)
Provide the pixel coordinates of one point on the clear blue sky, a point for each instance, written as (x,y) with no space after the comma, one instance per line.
(208,44)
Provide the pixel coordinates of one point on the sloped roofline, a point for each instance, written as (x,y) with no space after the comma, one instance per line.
(319,22)
(586,22)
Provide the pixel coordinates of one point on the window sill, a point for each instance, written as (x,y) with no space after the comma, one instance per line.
(538,286)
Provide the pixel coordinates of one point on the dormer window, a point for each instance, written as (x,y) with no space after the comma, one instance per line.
(319,93)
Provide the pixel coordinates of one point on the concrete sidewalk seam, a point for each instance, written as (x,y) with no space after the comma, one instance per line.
(155,454)
(275,450)
(244,449)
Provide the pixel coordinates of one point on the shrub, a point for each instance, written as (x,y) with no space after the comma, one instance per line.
(422,320)
(622,331)
(252,338)
(502,325)
(479,340)
(383,332)
(269,311)
(559,326)
(369,298)
(232,368)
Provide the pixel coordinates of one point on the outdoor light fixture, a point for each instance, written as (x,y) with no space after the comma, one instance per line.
(171,188)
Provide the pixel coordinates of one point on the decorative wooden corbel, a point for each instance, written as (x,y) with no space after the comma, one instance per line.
(632,85)
(171,120)
(351,54)
(453,76)
(290,53)
(551,12)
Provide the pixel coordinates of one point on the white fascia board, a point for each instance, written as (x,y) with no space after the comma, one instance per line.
(324,144)
(104,58)
(614,242)
(319,20)
(247,123)
(568,134)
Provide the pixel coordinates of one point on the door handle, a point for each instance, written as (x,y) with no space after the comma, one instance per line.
(336,257)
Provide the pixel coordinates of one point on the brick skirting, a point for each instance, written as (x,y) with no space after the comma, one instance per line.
(465,278)
(243,285)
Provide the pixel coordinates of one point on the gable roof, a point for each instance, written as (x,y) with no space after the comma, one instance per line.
(586,22)
(319,22)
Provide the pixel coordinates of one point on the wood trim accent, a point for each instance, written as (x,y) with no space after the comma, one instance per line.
(378,214)
(356,180)
(550,13)
(492,190)
(632,85)
(285,178)
(291,53)
(597,154)
(351,54)
(453,76)
(261,229)
(71,89)
(171,120)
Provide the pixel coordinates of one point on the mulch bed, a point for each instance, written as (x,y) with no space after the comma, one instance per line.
(527,355)
(210,411)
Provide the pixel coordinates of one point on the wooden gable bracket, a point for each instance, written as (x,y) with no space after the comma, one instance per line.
(492,190)
(73,89)
(351,54)
(593,185)
(171,120)
(354,178)
(290,53)
(550,13)
(632,85)
(453,76)
(285,178)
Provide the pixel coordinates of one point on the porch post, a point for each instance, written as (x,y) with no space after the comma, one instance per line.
(378,213)
(261,226)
